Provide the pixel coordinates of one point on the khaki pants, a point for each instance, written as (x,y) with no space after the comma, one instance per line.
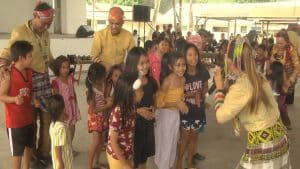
(44,143)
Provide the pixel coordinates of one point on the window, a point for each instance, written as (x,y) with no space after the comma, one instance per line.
(243,29)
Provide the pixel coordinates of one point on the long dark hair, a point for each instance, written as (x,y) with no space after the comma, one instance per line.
(276,76)
(169,60)
(199,65)
(124,95)
(108,82)
(133,58)
(118,67)
(96,72)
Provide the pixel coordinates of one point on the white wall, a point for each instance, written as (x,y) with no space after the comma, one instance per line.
(64,46)
(10,15)
(16,12)
(79,46)
(73,15)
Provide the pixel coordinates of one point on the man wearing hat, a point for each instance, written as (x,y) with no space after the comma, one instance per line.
(111,44)
(35,32)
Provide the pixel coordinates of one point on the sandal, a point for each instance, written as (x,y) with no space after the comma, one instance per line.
(75,153)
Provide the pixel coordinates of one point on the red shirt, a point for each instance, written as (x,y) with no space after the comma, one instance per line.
(22,115)
(155,64)
(126,133)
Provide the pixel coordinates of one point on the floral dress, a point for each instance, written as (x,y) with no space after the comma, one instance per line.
(97,120)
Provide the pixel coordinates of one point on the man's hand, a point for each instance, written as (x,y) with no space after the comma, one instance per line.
(37,103)
(4,71)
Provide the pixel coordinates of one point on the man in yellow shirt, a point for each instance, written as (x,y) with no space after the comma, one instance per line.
(35,32)
(111,44)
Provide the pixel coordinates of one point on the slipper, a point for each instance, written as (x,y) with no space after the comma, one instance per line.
(199,157)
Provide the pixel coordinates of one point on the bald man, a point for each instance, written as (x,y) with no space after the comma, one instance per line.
(111,44)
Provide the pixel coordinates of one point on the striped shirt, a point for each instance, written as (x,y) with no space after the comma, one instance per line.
(60,136)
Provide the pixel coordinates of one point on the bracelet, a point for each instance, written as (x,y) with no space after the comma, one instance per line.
(220,91)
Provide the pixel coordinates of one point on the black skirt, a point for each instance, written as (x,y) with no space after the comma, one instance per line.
(144,142)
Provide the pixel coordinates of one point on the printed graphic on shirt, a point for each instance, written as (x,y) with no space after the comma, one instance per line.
(24,92)
(193,88)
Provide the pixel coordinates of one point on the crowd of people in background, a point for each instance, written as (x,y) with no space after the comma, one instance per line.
(150,101)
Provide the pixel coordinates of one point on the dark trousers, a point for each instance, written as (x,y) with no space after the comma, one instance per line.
(283,110)
(290,98)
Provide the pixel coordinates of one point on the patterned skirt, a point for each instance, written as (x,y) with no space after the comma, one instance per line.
(267,149)
(41,88)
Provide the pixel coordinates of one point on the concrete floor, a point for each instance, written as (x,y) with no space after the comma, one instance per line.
(221,148)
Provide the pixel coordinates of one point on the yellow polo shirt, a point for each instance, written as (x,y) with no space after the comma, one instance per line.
(111,49)
(41,55)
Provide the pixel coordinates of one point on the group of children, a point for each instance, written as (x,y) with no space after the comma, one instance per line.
(152,105)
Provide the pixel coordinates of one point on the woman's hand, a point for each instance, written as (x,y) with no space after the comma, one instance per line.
(219,81)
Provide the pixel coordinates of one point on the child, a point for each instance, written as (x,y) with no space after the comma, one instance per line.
(61,141)
(16,94)
(98,106)
(156,57)
(261,57)
(278,83)
(196,85)
(149,47)
(63,84)
(122,122)
(112,78)
(137,62)
(169,102)
(111,81)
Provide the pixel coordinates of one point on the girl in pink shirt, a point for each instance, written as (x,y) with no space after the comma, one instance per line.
(155,57)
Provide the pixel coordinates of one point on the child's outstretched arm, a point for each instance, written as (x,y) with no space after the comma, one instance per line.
(4,89)
(58,152)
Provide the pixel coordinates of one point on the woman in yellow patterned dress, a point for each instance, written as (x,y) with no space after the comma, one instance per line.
(250,101)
